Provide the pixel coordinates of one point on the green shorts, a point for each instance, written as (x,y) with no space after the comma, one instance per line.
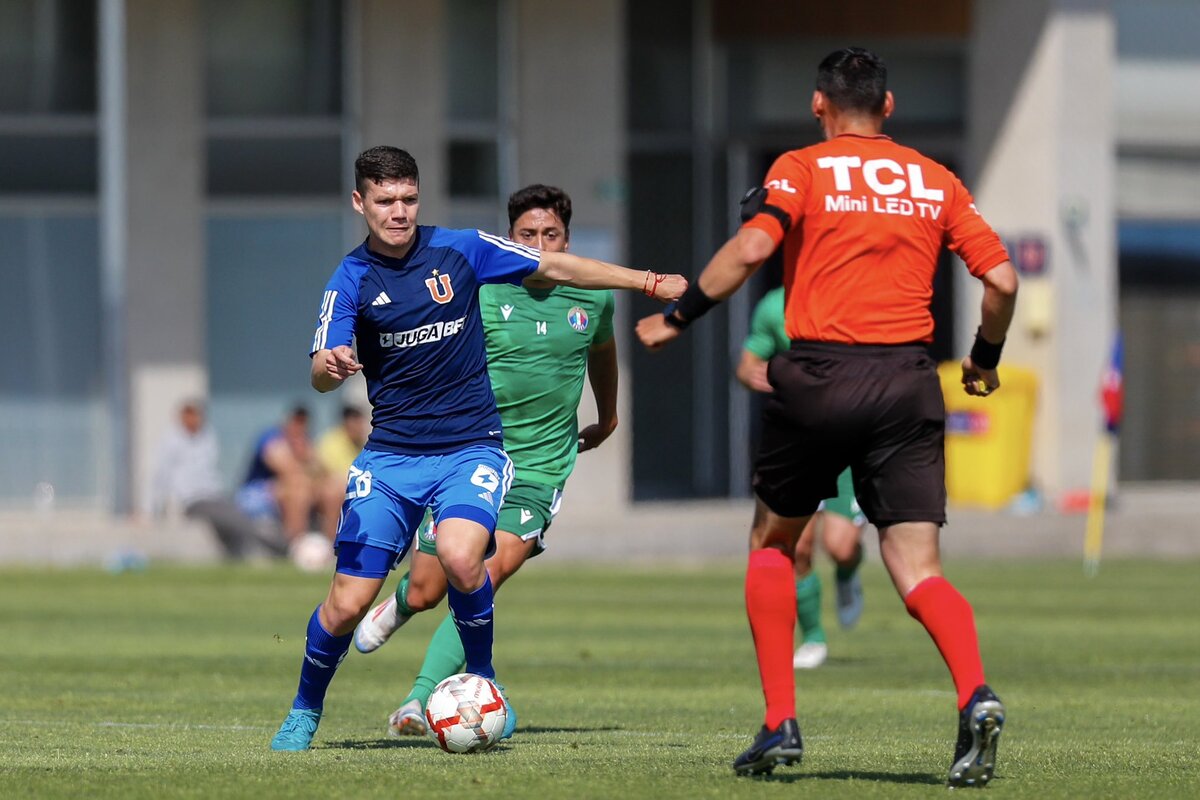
(527,512)
(845,504)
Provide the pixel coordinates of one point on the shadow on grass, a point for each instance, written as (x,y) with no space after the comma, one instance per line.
(409,743)
(554,729)
(850,774)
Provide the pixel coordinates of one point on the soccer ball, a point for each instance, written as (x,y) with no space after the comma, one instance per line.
(466,714)
(311,552)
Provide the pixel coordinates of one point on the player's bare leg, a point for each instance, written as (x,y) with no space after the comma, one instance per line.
(910,553)
(813,649)
(444,653)
(771,607)
(842,539)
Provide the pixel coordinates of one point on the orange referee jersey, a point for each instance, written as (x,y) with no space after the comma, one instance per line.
(867,220)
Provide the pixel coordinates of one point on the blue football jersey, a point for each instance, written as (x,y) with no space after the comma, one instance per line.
(420,338)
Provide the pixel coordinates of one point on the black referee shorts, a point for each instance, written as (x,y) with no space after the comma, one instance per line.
(875,408)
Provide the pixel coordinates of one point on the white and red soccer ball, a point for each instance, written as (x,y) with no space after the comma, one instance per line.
(465,714)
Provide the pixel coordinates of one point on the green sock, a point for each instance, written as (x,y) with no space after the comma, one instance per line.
(402,596)
(846,573)
(808,608)
(443,657)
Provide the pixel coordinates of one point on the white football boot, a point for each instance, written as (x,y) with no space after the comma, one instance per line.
(378,626)
(408,720)
(810,655)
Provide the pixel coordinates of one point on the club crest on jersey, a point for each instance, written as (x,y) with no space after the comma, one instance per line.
(439,288)
(578,318)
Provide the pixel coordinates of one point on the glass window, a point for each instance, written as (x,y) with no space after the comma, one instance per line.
(265,277)
(660,66)
(474,170)
(255,166)
(48,56)
(1157,29)
(771,83)
(472,60)
(53,420)
(52,162)
(273,57)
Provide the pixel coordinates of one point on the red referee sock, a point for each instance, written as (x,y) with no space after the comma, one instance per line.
(947,615)
(771,607)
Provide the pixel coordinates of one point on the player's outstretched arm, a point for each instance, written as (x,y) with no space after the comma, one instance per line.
(729,268)
(999,301)
(589,273)
(602,374)
(331,367)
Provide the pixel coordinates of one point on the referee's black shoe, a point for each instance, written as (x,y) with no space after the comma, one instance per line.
(979,726)
(771,748)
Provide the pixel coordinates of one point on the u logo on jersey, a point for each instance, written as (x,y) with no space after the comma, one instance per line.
(440,289)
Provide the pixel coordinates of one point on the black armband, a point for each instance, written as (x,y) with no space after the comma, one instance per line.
(672,320)
(754,202)
(984,354)
(689,308)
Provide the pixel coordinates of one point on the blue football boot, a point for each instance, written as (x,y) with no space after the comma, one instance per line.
(296,732)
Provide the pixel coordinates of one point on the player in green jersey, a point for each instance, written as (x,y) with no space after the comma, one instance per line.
(840,521)
(540,344)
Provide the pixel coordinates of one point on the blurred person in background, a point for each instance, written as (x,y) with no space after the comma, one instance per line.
(336,450)
(839,518)
(862,221)
(540,344)
(284,479)
(185,480)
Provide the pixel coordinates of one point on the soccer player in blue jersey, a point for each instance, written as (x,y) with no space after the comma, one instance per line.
(407,298)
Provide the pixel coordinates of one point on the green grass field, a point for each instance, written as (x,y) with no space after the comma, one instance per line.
(629,683)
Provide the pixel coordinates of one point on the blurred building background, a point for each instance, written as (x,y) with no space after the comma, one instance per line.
(174,181)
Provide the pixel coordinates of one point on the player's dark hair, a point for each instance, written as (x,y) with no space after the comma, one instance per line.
(540,196)
(352,412)
(853,79)
(384,163)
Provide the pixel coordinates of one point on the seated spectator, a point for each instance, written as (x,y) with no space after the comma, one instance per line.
(284,478)
(337,449)
(185,480)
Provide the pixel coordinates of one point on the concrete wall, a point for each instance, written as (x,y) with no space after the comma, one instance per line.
(571,133)
(400,97)
(164,214)
(1042,155)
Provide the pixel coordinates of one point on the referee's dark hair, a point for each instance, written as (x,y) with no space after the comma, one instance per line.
(540,196)
(384,163)
(853,79)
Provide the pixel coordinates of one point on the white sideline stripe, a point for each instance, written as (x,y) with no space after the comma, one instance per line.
(185,726)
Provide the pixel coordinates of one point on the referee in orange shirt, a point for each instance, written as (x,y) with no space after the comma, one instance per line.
(862,221)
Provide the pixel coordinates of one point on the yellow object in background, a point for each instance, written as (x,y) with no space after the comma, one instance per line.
(989,440)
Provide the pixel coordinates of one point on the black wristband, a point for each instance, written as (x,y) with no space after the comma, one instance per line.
(984,354)
(675,322)
(694,304)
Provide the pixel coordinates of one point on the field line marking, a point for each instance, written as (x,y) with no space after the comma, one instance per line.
(183,726)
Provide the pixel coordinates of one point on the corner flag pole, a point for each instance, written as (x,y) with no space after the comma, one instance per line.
(1093,541)
(1112,399)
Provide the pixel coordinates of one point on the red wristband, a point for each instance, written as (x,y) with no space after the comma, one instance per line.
(649,288)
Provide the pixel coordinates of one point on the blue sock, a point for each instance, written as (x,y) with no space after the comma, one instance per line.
(473,617)
(323,652)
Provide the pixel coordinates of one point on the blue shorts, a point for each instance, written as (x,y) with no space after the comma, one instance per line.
(387,494)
